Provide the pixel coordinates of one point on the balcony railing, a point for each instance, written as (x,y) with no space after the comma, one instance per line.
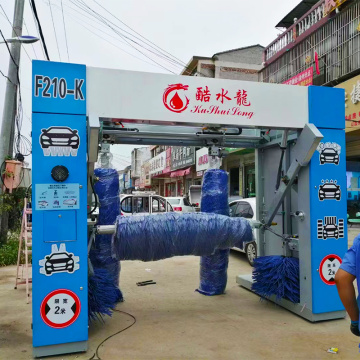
(313,16)
(337,44)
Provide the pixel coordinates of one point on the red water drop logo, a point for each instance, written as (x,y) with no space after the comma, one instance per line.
(176,103)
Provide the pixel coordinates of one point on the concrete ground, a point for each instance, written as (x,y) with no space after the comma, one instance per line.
(175,322)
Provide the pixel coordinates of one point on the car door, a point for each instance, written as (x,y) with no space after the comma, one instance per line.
(126,206)
(232,207)
(140,205)
(158,205)
(244,210)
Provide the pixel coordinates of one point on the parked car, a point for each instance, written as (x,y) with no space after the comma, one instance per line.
(144,203)
(245,208)
(181,204)
(195,196)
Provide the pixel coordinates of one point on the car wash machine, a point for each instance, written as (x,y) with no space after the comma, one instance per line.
(79,112)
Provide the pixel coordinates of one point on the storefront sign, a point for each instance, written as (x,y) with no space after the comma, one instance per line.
(182,156)
(147,174)
(195,100)
(331,5)
(352,103)
(142,176)
(305,78)
(158,163)
(202,159)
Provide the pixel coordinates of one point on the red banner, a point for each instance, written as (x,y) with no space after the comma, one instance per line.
(305,78)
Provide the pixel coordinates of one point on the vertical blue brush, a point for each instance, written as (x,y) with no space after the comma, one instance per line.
(214,199)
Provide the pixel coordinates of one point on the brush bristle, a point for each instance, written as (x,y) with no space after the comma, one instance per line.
(277,275)
(103,295)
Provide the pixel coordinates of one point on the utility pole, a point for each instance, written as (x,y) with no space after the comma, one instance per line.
(10,103)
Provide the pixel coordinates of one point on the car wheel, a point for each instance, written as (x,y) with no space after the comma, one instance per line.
(251,252)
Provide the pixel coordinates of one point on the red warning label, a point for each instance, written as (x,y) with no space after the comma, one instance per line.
(60,308)
(329,265)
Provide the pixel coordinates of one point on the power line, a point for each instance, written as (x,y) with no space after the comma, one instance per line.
(6,77)
(104,20)
(33,7)
(32,45)
(137,32)
(37,29)
(81,4)
(67,48)
(52,19)
(14,30)
(102,38)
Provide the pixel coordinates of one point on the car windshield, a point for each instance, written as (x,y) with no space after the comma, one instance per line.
(174,201)
(330,227)
(329,151)
(59,256)
(59,131)
(330,186)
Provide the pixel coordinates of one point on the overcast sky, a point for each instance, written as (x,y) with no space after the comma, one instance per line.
(183,28)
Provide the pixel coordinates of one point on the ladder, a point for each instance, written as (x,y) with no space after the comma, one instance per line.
(25,244)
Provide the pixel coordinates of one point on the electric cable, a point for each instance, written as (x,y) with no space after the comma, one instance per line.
(107,21)
(79,22)
(278,179)
(96,200)
(36,27)
(125,38)
(6,77)
(266,227)
(66,41)
(12,58)
(32,45)
(52,19)
(137,32)
(15,32)
(116,46)
(96,354)
(33,7)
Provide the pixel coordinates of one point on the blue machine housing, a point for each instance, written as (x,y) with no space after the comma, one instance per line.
(59,138)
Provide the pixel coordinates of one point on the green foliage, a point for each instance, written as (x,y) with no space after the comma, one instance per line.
(13,204)
(9,253)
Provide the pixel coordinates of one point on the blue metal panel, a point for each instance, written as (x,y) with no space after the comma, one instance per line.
(328,197)
(326,107)
(59,225)
(58,88)
(46,223)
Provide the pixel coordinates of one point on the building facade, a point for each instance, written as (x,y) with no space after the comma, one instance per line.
(238,64)
(320,45)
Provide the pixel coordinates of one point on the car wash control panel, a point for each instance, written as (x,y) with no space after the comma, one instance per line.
(59,198)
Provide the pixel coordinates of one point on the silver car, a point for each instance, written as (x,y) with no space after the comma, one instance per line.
(245,208)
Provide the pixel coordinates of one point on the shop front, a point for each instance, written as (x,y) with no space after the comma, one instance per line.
(352,129)
(182,169)
(159,171)
(202,163)
(240,164)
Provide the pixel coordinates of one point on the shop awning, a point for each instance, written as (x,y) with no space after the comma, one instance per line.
(181,172)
